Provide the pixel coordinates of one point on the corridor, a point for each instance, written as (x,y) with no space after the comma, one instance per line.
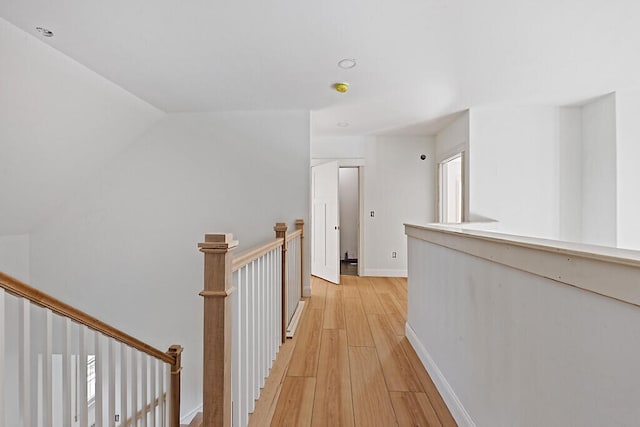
(350,363)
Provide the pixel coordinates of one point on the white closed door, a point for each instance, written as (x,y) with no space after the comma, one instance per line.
(325,258)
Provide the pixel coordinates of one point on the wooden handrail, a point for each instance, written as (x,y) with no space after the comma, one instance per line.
(293,235)
(22,290)
(244,258)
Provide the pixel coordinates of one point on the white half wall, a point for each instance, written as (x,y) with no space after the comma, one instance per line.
(14,256)
(125,248)
(510,348)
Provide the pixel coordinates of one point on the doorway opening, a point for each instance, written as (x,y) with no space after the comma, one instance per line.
(451,199)
(349,206)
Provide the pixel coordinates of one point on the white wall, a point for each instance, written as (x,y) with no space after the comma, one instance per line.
(324,149)
(518,349)
(599,206)
(450,141)
(59,121)
(628,169)
(514,169)
(399,187)
(14,256)
(570,174)
(349,211)
(125,248)
(454,138)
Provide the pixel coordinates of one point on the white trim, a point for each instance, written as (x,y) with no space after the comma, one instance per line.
(293,325)
(342,161)
(384,273)
(186,419)
(610,272)
(449,396)
(306,291)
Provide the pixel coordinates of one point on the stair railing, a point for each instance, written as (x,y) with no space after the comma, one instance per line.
(249,300)
(71,369)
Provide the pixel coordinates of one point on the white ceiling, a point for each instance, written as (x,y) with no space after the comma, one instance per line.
(418,60)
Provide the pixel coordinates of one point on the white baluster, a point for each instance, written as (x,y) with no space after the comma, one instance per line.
(2,350)
(47,374)
(124,383)
(99,363)
(82,378)
(168,401)
(236,348)
(254,348)
(111,408)
(246,314)
(25,362)
(143,390)
(161,393)
(66,372)
(268,304)
(259,331)
(134,387)
(152,390)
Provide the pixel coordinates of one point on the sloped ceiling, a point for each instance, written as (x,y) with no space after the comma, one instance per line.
(418,60)
(58,122)
(71,102)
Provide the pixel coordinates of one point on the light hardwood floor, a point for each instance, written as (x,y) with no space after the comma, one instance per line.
(350,363)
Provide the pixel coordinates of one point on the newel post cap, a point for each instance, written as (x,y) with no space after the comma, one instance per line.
(218,241)
(280,226)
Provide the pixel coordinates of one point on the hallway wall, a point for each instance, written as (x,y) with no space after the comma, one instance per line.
(125,248)
(398,187)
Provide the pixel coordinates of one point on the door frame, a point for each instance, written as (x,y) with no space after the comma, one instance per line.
(349,163)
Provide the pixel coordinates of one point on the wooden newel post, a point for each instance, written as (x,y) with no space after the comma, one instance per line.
(281,233)
(216,396)
(175,351)
(300,226)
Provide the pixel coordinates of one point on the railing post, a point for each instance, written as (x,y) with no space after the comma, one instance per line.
(174,351)
(300,226)
(281,233)
(216,396)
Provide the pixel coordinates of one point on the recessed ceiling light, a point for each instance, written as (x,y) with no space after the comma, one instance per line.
(347,63)
(342,124)
(45,32)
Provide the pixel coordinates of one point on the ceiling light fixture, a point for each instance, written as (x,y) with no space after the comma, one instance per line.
(342,124)
(44,32)
(347,63)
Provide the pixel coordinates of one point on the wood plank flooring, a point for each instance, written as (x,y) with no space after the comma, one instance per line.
(350,363)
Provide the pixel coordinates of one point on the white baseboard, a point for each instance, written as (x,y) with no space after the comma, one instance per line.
(187,418)
(458,411)
(293,325)
(385,273)
(306,290)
